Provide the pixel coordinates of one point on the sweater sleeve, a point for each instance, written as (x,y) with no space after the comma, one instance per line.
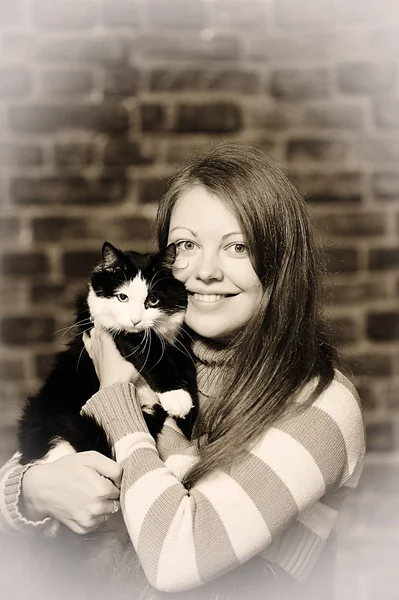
(185,538)
(11,512)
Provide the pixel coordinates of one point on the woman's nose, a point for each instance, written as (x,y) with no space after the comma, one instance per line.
(209,268)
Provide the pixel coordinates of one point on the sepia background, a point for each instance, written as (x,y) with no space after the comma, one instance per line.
(101,101)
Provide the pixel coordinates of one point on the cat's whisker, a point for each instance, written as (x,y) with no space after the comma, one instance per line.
(148,338)
(80,356)
(66,329)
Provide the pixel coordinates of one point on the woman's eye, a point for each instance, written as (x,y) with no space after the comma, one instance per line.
(122,297)
(238,249)
(185,246)
(152,300)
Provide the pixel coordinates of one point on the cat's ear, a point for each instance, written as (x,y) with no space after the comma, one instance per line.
(111,256)
(166,258)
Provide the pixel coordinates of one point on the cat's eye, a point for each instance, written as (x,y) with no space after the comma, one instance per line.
(152,300)
(122,297)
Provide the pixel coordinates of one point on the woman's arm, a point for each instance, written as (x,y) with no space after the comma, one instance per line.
(186,538)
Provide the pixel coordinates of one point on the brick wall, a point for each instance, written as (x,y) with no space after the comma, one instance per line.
(101,100)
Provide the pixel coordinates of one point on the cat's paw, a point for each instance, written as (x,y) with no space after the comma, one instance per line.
(177,403)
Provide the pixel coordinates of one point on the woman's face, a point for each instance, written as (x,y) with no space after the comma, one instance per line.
(213,263)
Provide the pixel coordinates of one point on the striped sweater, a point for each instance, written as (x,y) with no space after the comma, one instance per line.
(279,502)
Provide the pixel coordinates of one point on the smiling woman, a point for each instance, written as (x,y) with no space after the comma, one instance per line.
(279,439)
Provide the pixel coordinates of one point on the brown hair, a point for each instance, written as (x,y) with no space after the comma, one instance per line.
(285,344)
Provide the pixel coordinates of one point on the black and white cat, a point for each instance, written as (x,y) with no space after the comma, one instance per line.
(136,298)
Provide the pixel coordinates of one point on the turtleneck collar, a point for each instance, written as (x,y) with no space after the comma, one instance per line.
(210,352)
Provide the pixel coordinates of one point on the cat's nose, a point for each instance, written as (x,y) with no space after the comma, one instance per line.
(135,323)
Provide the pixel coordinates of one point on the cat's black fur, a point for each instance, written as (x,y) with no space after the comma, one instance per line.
(54,413)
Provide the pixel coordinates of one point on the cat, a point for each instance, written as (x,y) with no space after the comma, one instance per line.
(137,299)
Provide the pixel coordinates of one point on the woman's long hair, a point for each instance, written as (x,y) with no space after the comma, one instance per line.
(285,345)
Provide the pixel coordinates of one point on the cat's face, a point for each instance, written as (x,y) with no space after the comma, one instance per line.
(132,292)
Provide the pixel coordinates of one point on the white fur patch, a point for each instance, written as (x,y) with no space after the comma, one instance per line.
(177,403)
(62,448)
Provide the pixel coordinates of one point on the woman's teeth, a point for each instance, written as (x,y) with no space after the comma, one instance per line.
(208,297)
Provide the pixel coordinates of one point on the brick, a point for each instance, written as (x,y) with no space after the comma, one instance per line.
(80,264)
(175,14)
(151,190)
(385,185)
(354,293)
(73,154)
(342,260)
(102,49)
(298,84)
(14,82)
(242,16)
(290,13)
(193,47)
(59,83)
(121,153)
(153,117)
(18,155)
(16,331)
(129,230)
(116,229)
(371,364)
(317,149)
(383,258)
(122,81)
(47,293)
(383,326)
(24,263)
(64,14)
(386,113)
(217,117)
(246,82)
(11,369)
(340,187)
(53,229)
(345,330)
(334,117)
(366,78)
(67,190)
(120,13)
(46,119)
(354,224)
(380,437)
(43,365)
(268,117)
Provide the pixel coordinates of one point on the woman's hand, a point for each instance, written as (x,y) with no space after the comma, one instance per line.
(79,490)
(110,366)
